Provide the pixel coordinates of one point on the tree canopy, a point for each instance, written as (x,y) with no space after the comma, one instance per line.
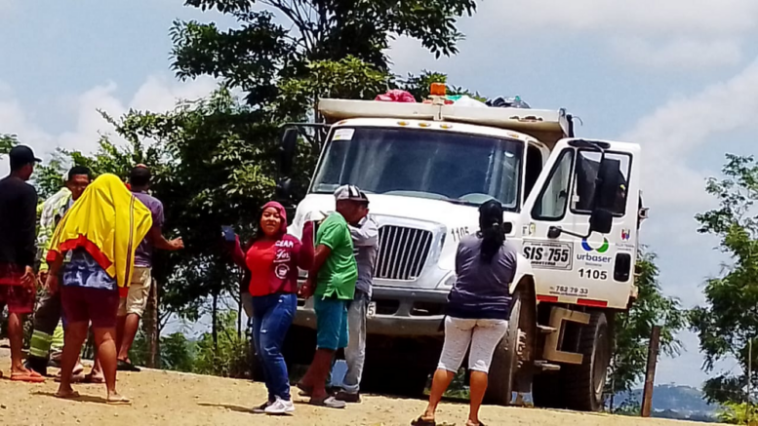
(277,38)
(729,319)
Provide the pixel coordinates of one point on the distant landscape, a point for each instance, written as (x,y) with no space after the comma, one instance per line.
(673,402)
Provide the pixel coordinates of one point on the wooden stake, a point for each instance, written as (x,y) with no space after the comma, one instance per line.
(652,360)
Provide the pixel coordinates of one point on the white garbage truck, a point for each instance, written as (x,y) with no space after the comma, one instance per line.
(572,205)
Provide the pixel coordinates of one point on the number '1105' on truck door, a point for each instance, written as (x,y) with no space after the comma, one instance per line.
(549,255)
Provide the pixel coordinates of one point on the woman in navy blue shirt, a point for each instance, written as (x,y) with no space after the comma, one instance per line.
(477,310)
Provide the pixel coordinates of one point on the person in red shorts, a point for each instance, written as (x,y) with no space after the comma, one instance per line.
(18,218)
(98,238)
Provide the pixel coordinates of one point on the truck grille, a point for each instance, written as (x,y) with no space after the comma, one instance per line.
(402,252)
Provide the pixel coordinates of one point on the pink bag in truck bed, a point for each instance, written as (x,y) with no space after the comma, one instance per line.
(396,95)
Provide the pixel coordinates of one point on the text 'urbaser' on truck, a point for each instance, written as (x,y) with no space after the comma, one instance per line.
(573,207)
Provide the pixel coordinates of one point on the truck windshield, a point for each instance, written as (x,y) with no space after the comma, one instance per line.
(456,167)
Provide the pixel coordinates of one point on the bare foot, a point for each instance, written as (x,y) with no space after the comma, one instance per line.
(115,399)
(67,393)
(20,369)
(21,374)
(23,371)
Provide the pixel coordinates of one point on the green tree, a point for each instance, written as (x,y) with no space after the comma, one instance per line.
(634,327)
(729,319)
(177,353)
(630,407)
(6,143)
(213,165)
(260,51)
(226,355)
(734,413)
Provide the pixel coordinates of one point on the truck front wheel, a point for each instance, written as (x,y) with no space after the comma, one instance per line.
(585,383)
(395,380)
(547,391)
(511,369)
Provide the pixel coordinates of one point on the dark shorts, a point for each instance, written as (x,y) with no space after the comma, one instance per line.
(82,304)
(18,298)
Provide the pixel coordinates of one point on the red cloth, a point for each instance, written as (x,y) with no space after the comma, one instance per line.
(396,95)
(18,298)
(274,263)
(96,305)
(10,274)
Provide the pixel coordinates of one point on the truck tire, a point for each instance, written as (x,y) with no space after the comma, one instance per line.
(511,369)
(547,391)
(394,378)
(584,384)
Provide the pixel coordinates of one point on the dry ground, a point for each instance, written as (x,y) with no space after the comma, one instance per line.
(167,398)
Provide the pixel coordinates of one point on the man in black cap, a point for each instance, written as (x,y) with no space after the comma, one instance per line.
(18,217)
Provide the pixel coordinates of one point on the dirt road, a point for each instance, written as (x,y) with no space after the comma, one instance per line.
(163,398)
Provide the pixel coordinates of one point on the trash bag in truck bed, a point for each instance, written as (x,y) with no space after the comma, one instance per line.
(507,102)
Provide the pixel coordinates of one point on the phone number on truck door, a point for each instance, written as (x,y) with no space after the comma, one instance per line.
(549,255)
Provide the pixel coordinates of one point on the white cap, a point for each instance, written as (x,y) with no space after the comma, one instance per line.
(350,193)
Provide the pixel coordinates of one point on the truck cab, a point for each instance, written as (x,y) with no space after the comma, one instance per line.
(571,206)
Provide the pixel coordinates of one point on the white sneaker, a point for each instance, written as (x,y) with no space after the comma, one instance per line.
(262,408)
(280,407)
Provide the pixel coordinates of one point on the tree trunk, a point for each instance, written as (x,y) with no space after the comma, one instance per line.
(239,319)
(150,326)
(214,325)
(240,278)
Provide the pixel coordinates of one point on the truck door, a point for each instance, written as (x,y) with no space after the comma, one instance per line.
(592,270)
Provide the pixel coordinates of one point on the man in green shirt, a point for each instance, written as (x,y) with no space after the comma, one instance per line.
(332,283)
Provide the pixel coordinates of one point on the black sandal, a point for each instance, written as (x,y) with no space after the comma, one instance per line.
(421,422)
(304,390)
(127,366)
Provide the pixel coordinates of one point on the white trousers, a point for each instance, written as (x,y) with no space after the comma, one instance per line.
(483,335)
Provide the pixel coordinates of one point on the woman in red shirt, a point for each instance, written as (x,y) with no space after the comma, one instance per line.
(273,260)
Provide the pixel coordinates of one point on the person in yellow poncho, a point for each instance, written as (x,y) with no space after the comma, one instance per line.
(98,237)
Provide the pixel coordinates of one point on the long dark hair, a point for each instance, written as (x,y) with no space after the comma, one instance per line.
(491,229)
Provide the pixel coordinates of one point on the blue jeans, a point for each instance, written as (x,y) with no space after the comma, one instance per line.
(272,317)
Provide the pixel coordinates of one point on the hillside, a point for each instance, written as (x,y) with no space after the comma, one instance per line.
(673,401)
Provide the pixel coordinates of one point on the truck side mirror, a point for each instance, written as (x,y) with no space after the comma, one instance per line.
(287,151)
(608,185)
(283,189)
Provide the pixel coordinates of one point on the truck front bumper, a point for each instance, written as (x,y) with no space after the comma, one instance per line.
(399,312)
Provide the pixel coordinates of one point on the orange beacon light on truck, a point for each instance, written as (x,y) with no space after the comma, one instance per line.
(438,89)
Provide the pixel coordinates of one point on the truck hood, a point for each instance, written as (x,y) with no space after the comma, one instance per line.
(429,210)
(447,217)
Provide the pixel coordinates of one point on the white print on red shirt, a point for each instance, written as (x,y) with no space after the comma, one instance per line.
(282,256)
(285,243)
(282,270)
